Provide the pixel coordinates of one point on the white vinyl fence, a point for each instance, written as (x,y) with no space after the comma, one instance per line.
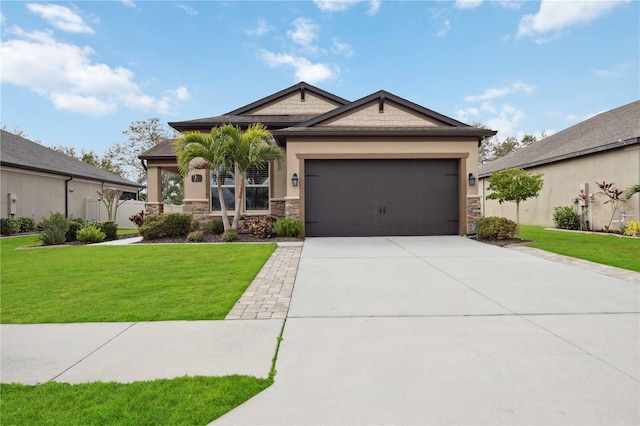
(95,211)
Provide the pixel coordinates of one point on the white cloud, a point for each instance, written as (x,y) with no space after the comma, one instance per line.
(343,49)
(261,28)
(305,70)
(468,4)
(555,16)
(446,26)
(188,9)
(2,18)
(305,33)
(61,17)
(66,74)
(493,93)
(129,3)
(611,73)
(506,120)
(342,5)
(510,4)
(182,93)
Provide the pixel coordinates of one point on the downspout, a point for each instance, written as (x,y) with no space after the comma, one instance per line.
(66,196)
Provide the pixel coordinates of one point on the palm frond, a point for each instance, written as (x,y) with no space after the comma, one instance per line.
(633,189)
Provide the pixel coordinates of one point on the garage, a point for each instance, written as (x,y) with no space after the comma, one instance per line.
(381,197)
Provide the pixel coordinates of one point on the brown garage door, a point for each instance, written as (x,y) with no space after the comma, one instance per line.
(381,197)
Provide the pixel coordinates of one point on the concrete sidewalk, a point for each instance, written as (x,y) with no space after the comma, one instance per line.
(446,330)
(128,352)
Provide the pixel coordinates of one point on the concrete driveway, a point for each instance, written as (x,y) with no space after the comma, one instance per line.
(446,330)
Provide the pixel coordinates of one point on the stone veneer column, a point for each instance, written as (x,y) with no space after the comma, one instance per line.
(473,212)
(292,208)
(199,209)
(154,208)
(278,207)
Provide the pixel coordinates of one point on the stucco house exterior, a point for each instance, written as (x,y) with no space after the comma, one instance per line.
(380,165)
(605,147)
(37,180)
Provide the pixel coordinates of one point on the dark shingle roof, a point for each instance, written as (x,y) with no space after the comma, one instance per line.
(271,121)
(161,151)
(22,153)
(612,129)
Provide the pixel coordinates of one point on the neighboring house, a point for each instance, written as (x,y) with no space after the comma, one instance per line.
(380,165)
(605,148)
(37,180)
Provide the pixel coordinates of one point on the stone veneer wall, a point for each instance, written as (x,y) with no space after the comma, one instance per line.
(199,209)
(278,207)
(292,208)
(473,212)
(154,208)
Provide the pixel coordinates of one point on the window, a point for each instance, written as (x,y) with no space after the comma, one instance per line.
(228,181)
(256,189)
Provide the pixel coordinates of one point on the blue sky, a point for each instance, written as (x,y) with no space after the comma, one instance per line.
(78,73)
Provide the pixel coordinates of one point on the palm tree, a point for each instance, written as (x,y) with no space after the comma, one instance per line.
(214,151)
(249,148)
(633,189)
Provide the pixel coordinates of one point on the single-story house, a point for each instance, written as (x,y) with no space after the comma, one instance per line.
(605,148)
(380,165)
(37,180)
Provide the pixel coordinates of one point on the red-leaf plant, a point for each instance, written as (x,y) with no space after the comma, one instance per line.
(613,194)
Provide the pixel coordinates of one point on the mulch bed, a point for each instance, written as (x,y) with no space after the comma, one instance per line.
(505,243)
(211,238)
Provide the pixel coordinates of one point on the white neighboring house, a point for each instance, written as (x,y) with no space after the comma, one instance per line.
(37,180)
(605,147)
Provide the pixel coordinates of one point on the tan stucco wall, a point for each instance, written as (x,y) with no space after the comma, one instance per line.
(293,104)
(562,183)
(393,115)
(39,193)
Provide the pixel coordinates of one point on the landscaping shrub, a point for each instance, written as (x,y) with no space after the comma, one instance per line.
(54,229)
(566,218)
(195,237)
(229,236)
(288,227)
(496,228)
(26,224)
(214,226)
(261,227)
(166,225)
(632,229)
(110,230)
(152,230)
(74,226)
(91,234)
(195,225)
(138,219)
(9,226)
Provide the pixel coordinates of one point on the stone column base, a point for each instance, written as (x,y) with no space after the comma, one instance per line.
(278,207)
(199,209)
(292,208)
(154,208)
(473,212)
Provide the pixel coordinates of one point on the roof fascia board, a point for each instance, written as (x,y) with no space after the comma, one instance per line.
(289,90)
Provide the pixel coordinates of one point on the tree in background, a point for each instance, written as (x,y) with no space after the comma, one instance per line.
(493,148)
(172,188)
(514,185)
(111,199)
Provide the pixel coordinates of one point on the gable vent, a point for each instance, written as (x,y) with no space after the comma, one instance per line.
(381,104)
(302,94)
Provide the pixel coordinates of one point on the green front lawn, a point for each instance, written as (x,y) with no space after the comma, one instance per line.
(124,283)
(600,248)
(181,401)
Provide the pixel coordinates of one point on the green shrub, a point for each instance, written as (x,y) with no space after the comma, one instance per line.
(261,227)
(110,230)
(91,234)
(74,226)
(26,224)
(195,225)
(230,235)
(150,218)
(152,230)
(54,229)
(566,218)
(214,226)
(288,227)
(496,228)
(9,226)
(195,237)
(176,224)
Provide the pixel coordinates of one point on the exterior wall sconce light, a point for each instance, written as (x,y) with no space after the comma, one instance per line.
(294,179)
(472,180)
(196,178)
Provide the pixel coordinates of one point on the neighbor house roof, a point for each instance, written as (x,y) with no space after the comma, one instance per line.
(162,150)
(242,116)
(22,153)
(612,129)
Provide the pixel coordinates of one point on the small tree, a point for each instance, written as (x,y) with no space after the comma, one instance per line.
(613,195)
(514,185)
(111,199)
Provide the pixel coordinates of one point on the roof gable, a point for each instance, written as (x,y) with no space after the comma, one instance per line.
(301,98)
(383,109)
(24,154)
(612,129)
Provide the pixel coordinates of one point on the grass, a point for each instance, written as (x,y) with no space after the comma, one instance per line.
(127,231)
(599,248)
(181,401)
(124,283)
